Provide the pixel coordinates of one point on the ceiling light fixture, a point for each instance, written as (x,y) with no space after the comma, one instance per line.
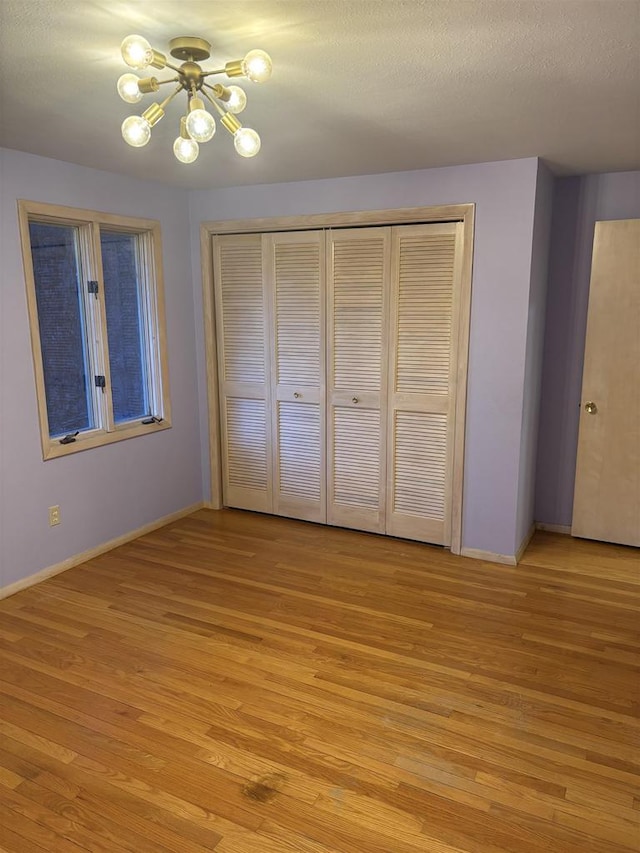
(197,125)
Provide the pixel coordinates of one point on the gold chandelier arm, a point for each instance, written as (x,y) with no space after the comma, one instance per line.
(173,67)
(159,60)
(170,97)
(152,84)
(221,92)
(215,71)
(211,100)
(227,120)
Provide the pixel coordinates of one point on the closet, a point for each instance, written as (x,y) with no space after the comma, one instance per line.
(338,372)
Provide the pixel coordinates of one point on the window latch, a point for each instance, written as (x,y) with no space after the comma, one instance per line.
(101,382)
(70,438)
(152,420)
(92,287)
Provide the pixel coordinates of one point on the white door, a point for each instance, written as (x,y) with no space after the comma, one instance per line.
(243,361)
(607,487)
(425,276)
(294,273)
(358,288)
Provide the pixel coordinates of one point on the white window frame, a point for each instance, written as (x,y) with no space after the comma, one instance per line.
(149,259)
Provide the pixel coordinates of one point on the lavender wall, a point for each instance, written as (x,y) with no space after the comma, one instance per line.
(505,198)
(106,492)
(531,390)
(109,491)
(579,203)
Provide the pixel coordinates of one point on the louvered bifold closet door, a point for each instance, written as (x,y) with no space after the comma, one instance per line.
(422,377)
(243,363)
(295,275)
(358,287)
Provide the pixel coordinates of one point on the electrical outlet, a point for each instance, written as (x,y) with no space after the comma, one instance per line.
(54,516)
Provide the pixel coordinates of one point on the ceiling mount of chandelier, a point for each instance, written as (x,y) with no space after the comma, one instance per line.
(197,125)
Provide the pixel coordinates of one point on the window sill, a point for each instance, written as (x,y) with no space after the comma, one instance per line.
(96,438)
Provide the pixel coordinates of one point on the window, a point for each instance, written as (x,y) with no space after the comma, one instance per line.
(94,287)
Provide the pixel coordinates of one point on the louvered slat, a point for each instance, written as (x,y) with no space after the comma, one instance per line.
(241,292)
(358,291)
(298,332)
(246,443)
(420,447)
(356,458)
(424,313)
(299,446)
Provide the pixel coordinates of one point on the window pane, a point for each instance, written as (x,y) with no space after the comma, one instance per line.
(127,350)
(67,374)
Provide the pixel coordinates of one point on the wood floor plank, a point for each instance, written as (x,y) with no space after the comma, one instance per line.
(149,812)
(240,683)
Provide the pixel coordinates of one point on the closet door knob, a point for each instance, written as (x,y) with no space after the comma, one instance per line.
(297,395)
(591,408)
(354,400)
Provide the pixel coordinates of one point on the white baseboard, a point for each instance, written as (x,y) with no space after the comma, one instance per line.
(554,528)
(489,556)
(525,543)
(70,562)
(503,559)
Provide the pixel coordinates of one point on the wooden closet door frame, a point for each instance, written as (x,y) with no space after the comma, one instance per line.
(464,213)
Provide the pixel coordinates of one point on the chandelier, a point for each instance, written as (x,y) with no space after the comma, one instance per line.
(197,125)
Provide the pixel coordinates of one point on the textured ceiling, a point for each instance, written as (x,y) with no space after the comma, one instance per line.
(359,86)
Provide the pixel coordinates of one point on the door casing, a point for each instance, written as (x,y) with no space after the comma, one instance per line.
(463,213)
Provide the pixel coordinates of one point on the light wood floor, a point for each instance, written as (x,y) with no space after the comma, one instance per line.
(244,684)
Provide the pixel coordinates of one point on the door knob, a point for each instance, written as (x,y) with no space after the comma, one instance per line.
(297,394)
(591,408)
(354,399)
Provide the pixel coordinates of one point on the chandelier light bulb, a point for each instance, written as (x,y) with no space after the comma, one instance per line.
(247,142)
(136,131)
(200,125)
(257,66)
(186,150)
(238,100)
(136,51)
(128,89)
